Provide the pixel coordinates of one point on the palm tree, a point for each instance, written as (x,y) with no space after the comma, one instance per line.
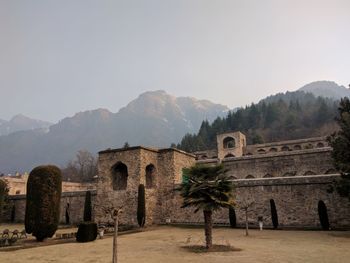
(207,188)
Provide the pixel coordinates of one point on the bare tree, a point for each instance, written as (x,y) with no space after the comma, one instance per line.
(82,168)
(113,212)
(246,206)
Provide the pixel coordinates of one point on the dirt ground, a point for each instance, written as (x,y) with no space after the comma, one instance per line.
(165,244)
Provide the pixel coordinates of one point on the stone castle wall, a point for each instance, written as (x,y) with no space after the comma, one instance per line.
(296,201)
(75,200)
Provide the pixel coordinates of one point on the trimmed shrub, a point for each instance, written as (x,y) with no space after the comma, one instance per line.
(44,189)
(141,206)
(322,213)
(232,217)
(274,215)
(87,231)
(87,207)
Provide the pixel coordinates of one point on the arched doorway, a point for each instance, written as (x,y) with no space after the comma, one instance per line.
(274,215)
(120,176)
(323,214)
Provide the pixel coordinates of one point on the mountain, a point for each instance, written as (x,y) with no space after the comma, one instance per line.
(328,89)
(284,116)
(153,119)
(21,123)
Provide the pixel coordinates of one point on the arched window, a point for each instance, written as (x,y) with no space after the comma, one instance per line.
(320,145)
(285,149)
(119,176)
(308,146)
(297,147)
(150,176)
(249,176)
(261,151)
(273,150)
(229,142)
(288,174)
(229,155)
(268,176)
(331,171)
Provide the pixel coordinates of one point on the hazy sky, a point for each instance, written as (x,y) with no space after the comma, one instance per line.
(60,57)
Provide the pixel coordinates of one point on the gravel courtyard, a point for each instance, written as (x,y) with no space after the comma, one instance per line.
(165,244)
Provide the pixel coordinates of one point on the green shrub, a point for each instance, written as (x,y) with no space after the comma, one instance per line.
(232,217)
(141,206)
(87,231)
(44,189)
(87,207)
(274,215)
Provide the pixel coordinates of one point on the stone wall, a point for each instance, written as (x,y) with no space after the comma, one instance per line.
(296,200)
(75,200)
(168,165)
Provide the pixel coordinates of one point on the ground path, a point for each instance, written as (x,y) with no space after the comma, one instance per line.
(164,245)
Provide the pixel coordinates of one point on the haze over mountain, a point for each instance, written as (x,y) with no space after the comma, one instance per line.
(153,119)
(21,123)
(328,89)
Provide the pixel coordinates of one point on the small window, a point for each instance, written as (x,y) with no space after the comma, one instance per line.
(297,147)
(150,176)
(249,176)
(285,149)
(273,150)
(18,192)
(261,151)
(229,142)
(320,145)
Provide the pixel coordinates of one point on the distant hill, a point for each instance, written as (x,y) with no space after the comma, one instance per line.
(327,89)
(284,116)
(21,123)
(153,119)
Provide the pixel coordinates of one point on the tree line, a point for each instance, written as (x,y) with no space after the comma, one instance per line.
(284,116)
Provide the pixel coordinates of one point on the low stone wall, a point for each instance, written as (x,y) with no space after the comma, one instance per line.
(75,200)
(296,200)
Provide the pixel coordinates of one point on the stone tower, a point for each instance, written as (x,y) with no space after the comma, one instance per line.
(230,144)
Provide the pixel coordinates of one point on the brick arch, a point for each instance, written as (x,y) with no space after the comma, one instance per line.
(229,155)
(268,176)
(249,176)
(261,151)
(119,176)
(273,150)
(297,147)
(309,173)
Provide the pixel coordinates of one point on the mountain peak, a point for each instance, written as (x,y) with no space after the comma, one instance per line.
(325,88)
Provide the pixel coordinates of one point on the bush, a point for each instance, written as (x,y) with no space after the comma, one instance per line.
(141,206)
(87,231)
(87,207)
(44,189)
(232,217)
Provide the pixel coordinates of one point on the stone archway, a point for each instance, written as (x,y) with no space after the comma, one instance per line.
(323,215)
(119,176)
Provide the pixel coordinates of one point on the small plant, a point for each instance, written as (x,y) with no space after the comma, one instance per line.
(87,231)
(141,206)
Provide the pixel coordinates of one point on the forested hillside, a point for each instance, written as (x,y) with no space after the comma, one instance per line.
(284,116)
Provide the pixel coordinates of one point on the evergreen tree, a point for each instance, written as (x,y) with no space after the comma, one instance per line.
(141,206)
(340,142)
(87,207)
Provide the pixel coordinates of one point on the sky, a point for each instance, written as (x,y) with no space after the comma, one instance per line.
(61,57)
